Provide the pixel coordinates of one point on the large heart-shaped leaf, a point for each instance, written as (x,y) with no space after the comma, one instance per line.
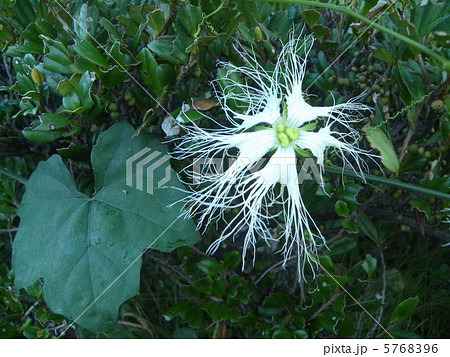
(87,249)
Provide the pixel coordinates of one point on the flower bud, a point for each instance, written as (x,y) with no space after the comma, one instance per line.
(37,76)
(258,34)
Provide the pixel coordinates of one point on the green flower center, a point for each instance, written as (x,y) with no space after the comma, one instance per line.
(285,134)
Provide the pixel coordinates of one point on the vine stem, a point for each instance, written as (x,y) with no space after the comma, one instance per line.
(347,11)
(390,182)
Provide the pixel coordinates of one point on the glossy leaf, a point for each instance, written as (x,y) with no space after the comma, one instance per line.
(341,208)
(341,246)
(190,17)
(209,267)
(88,51)
(379,140)
(369,265)
(404,309)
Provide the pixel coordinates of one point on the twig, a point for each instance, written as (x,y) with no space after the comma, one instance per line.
(173,7)
(271,268)
(383,294)
(30,309)
(410,134)
(8,230)
(324,305)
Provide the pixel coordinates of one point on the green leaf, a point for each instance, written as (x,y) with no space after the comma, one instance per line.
(300,334)
(413,162)
(190,17)
(58,58)
(190,116)
(74,152)
(112,76)
(204,285)
(84,91)
(112,30)
(90,247)
(341,208)
(46,28)
(48,129)
(209,267)
(341,246)
(328,321)
(273,305)
(310,17)
(24,13)
(156,22)
(320,30)
(349,192)
(20,50)
(72,103)
(411,76)
(350,226)
(165,74)
(425,17)
(217,310)
(147,70)
(422,205)
(231,260)
(88,51)
(195,317)
(378,140)
(180,308)
(278,23)
(23,84)
(368,228)
(68,86)
(385,55)
(281,332)
(404,309)
(169,49)
(369,264)
(219,287)
(326,263)
(80,23)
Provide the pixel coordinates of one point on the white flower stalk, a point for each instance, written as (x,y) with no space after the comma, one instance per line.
(276,122)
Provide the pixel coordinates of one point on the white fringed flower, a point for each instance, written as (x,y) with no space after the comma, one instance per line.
(276,123)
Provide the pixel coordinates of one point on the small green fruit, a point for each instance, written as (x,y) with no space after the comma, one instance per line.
(113,107)
(413,148)
(127,97)
(384,100)
(437,105)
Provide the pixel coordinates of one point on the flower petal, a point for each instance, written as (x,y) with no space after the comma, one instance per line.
(269,115)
